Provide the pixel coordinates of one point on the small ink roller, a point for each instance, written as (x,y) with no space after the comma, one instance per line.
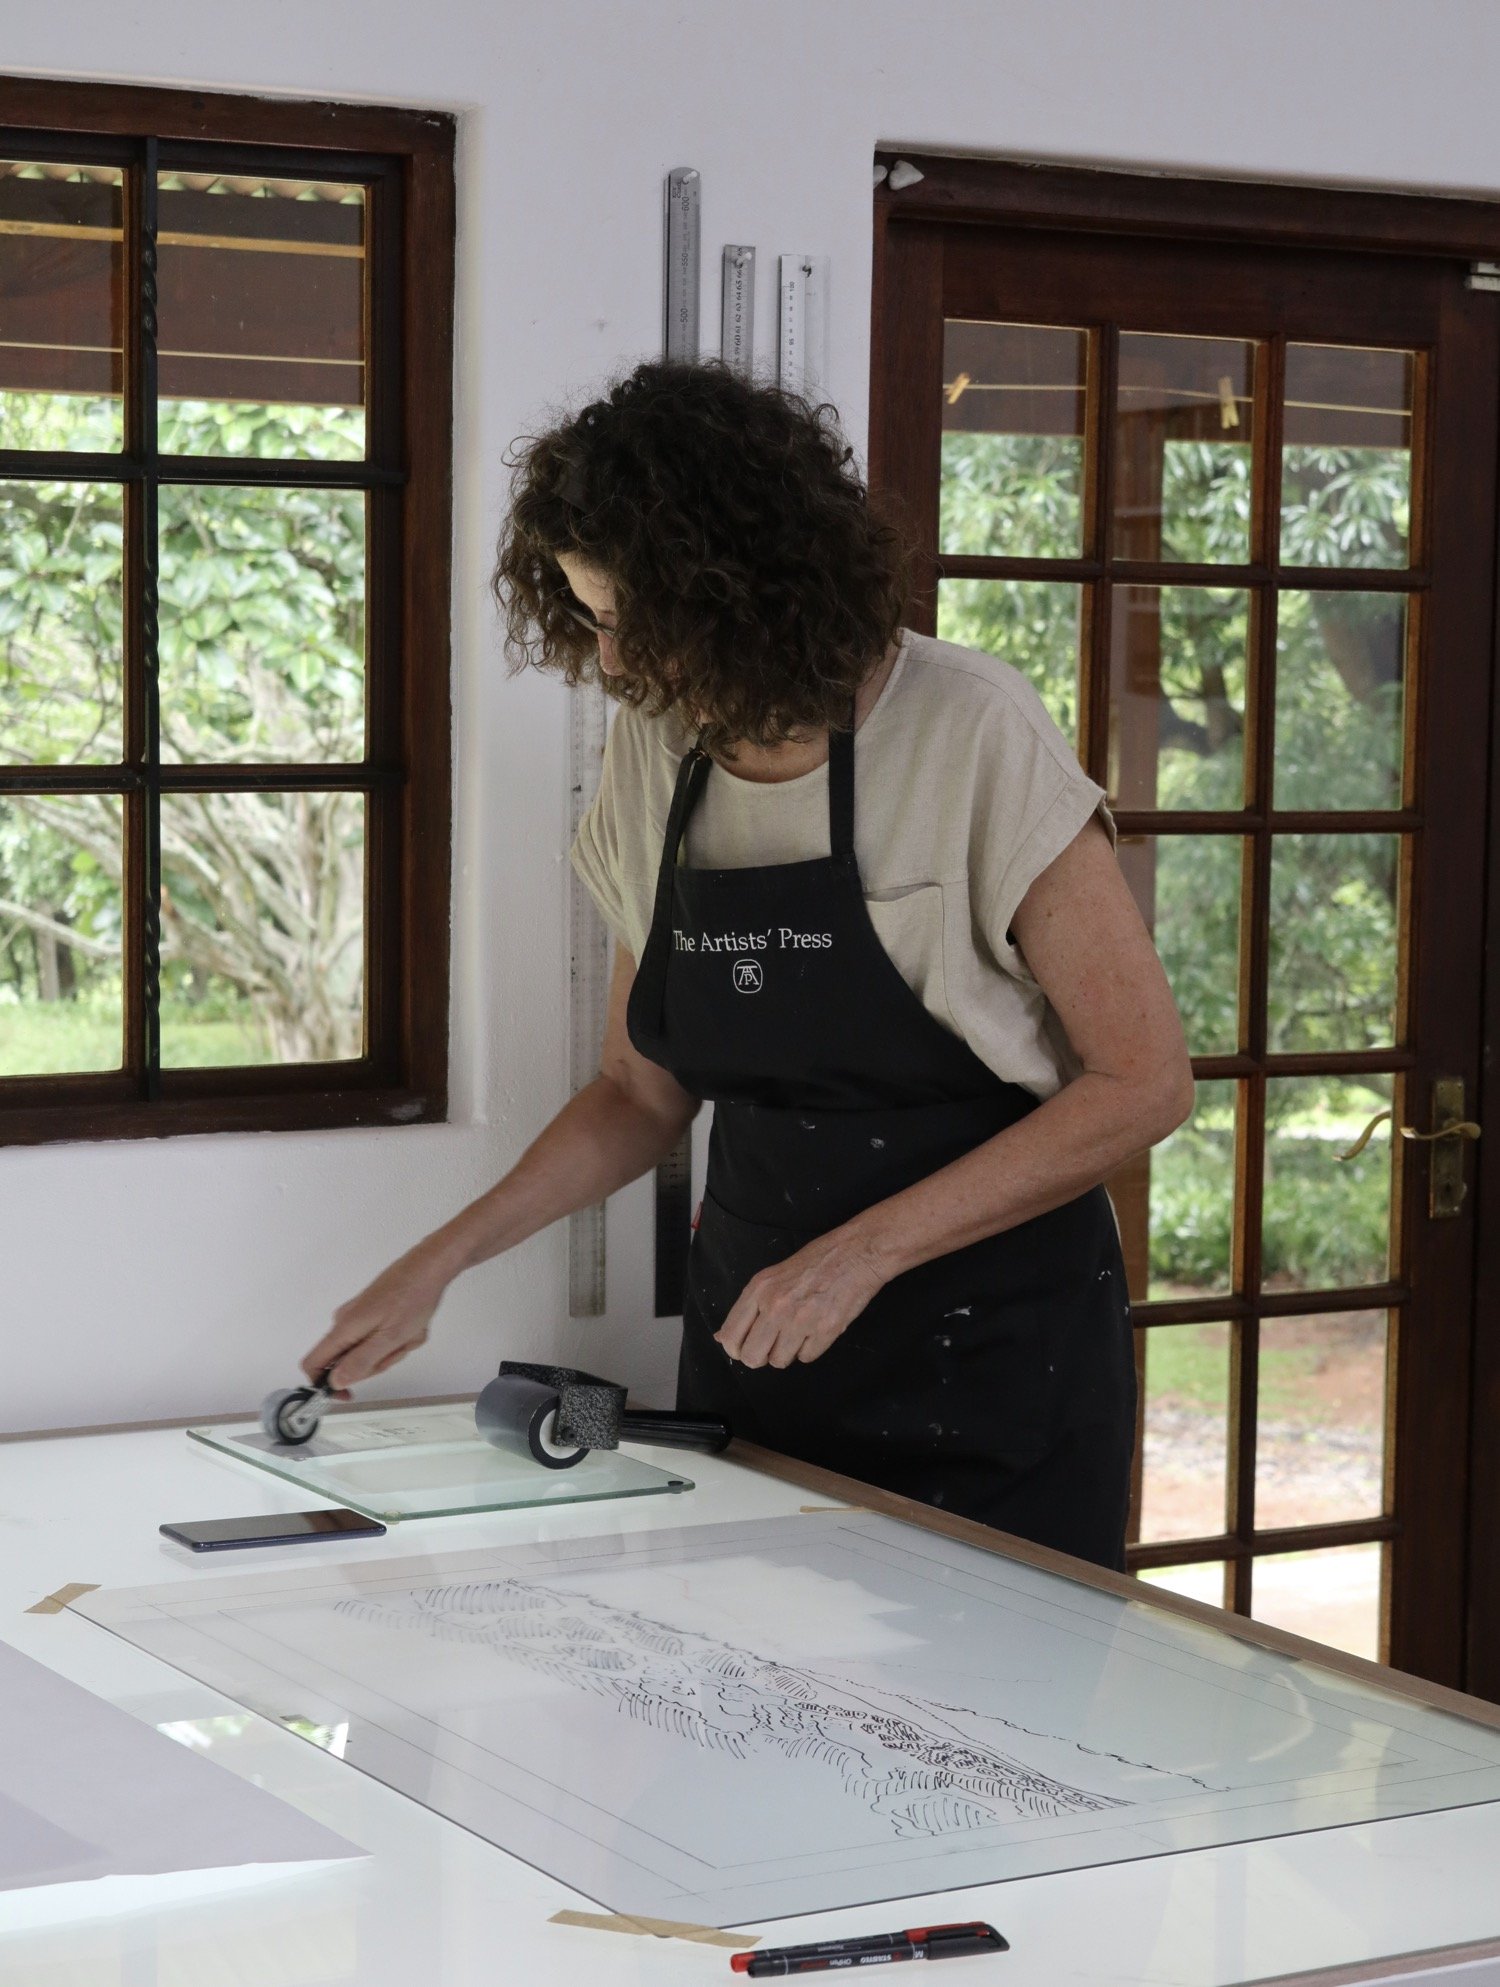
(293,1414)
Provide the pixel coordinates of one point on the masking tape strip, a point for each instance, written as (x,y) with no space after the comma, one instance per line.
(655,1928)
(55,1603)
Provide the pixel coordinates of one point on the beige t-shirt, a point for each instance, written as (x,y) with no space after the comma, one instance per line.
(964,791)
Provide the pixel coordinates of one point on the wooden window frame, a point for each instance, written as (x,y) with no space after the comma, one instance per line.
(406,158)
(1458,1430)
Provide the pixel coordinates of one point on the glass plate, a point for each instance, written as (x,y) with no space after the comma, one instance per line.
(429,1462)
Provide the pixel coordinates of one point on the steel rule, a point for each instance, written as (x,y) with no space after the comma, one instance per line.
(588,988)
(680,286)
(737,310)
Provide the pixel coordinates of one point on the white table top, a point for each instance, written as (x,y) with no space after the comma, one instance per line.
(436,1905)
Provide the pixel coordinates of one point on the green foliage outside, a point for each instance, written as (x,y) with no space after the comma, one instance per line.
(1338,745)
(261,659)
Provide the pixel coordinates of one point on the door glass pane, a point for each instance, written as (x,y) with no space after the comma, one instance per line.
(61,306)
(1331,1596)
(1320,1429)
(1184,1459)
(1326,1220)
(262,928)
(1187,889)
(1346,457)
(1031,624)
(60,898)
(1013,418)
(61,626)
(1333,953)
(1184,433)
(1204,1581)
(262,339)
(1177,696)
(262,624)
(1340,700)
(1192,1199)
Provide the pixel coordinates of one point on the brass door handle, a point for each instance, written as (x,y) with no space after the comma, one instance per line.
(1446,1186)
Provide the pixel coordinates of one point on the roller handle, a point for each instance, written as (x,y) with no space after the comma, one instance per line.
(669,1430)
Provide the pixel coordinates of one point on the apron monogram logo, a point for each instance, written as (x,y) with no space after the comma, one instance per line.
(748,977)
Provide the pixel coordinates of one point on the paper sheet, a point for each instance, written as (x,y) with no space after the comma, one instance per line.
(87,1791)
(728,1723)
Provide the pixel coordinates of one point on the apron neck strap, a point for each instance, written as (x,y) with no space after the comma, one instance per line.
(652,970)
(841,790)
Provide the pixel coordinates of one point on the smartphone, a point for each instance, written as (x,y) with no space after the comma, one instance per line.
(272,1528)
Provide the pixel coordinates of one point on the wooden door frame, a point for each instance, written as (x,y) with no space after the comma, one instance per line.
(905,340)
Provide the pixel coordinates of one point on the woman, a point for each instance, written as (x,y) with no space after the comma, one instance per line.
(867,902)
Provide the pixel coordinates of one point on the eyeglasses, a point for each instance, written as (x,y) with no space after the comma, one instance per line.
(574,608)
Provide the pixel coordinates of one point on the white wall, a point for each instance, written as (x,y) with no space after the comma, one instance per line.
(184,1277)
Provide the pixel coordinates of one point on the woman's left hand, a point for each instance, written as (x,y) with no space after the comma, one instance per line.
(794,1310)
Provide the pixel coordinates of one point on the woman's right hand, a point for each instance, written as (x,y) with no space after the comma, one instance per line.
(388,1319)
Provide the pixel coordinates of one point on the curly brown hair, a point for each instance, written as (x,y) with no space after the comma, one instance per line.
(756,579)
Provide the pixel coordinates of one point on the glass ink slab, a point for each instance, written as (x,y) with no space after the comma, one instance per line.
(736,1722)
(430,1462)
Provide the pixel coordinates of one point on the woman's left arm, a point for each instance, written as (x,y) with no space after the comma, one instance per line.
(1084,941)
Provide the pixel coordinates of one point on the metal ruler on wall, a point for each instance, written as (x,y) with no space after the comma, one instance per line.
(682,264)
(588,987)
(737,310)
(802,354)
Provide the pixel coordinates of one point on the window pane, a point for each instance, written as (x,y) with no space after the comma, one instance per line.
(1187,889)
(61,306)
(1184,1462)
(1334,941)
(60,900)
(262,624)
(61,622)
(1192,1199)
(1031,624)
(1340,700)
(1203,1582)
(1177,696)
(1346,457)
(1184,428)
(1320,1432)
(261,317)
(1327,1221)
(1331,1596)
(1012,464)
(262,928)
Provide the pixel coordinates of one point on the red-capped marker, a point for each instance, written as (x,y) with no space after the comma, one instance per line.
(925,1942)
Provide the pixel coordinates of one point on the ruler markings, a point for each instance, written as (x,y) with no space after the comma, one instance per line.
(802,350)
(737,310)
(680,301)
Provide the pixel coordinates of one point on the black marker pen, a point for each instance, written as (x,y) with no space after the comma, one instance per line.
(925,1942)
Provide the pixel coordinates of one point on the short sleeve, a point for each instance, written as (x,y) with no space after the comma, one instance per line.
(1049,800)
(595,853)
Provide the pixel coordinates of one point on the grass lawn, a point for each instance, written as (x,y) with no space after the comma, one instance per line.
(1186,1363)
(52,1039)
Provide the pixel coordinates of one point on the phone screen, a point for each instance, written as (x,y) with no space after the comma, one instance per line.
(272,1528)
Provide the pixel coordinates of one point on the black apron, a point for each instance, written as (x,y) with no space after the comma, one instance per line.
(997,1381)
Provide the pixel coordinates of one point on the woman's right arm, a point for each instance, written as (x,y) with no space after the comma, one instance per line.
(616,1128)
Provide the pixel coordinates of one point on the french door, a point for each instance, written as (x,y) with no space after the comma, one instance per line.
(1230,505)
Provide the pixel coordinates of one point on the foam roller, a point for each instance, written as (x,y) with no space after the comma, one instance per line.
(556,1414)
(553,1414)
